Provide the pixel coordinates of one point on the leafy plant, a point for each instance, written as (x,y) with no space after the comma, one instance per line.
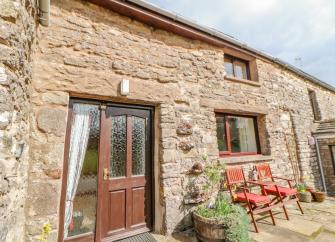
(233,217)
(301,187)
(45,232)
(213,175)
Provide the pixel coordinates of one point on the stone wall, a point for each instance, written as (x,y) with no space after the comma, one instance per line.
(88,50)
(17,31)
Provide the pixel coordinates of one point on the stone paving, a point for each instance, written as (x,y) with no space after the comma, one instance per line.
(316,224)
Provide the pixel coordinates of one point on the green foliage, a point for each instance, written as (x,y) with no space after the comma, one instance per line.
(213,175)
(90,162)
(301,187)
(233,217)
(45,232)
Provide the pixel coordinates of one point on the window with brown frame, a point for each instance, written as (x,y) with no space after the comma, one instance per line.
(236,67)
(332,152)
(315,105)
(237,135)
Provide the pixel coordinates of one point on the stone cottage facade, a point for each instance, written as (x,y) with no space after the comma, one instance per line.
(180,76)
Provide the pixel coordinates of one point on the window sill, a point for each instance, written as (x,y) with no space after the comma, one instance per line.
(245,159)
(244,81)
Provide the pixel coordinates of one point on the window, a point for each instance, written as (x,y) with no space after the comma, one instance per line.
(236,67)
(332,152)
(237,135)
(81,191)
(315,105)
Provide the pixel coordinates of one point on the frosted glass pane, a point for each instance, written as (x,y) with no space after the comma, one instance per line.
(118,146)
(138,146)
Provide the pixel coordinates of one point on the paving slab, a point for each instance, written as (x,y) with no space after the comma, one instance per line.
(304,227)
(325,237)
(317,224)
(269,233)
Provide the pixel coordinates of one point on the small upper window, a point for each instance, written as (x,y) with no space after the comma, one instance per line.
(236,67)
(315,105)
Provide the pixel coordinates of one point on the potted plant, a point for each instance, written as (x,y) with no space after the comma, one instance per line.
(319,196)
(303,194)
(219,219)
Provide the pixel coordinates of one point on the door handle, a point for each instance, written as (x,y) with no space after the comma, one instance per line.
(106,174)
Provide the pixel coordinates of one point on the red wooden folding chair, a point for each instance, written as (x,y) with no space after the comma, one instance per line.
(284,195)
(255,203)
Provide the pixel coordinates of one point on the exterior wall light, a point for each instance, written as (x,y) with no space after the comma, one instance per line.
(124,87)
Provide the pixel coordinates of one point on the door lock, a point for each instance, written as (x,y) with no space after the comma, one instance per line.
(106,174)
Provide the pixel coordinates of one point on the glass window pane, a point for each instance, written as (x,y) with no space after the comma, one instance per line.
(333,156)
(118,146)
(240,69)
(228,65)
(84,203)
(221,133)
(242,134)
(138,146)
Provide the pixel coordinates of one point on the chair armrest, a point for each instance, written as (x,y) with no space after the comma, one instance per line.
(283,178)
(257,183)
(245,188)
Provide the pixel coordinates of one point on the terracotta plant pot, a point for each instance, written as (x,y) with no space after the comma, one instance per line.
(209,230)
(305,197)
(319,196)
(309,189)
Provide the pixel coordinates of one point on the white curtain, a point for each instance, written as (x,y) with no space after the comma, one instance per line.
(78,143)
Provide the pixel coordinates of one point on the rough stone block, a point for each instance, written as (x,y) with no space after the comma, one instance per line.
(8,10)
(52,121)
(61,98)
(42,199)
(3,76)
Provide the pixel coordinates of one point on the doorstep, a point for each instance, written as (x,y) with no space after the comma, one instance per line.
(185,236)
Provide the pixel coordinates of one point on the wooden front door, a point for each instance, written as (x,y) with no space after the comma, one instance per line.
(125,166)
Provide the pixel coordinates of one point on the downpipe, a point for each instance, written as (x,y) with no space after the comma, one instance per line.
(320,164)
(44,12)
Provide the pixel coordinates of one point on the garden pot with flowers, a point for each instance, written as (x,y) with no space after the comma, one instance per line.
(219,219)
(303,194)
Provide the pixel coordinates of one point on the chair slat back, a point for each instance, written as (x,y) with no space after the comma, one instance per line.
(235,175)
(264,171)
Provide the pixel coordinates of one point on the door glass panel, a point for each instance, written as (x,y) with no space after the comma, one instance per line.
(84,203)
(118,146)
(138,146)
(242,134)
